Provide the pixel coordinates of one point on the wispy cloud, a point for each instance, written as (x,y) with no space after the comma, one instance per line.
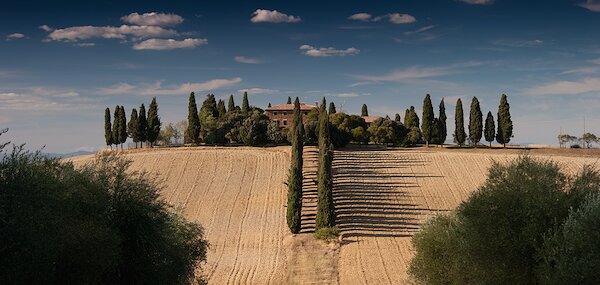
(327,51)
(257,90)
(348,94)
(157,88)
(247,60)
(478,2)
(518,43)
(420,30)
(582,70)
(77,33)
(416,72)
(168,44)
(85,44)
(272,16)
(38,98)
(15,36)
(586,85)
(395,18)
(592,5)
(153,19)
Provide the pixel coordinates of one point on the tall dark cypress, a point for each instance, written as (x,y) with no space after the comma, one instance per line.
(325,208)
(230,104)
(107,128)
(245,104)
(443,131)
(153,122)
(364,111)
(122,127)
(414,118)
(133,127)
(116,137)
(459,122)
(397,118)
(221,109)
(475,122)
(490,129)
(289,101)
(427,124)
(193,130)
(294,204)
(143,125)
(269,106)
(332,109)
(505,124)
(407,119)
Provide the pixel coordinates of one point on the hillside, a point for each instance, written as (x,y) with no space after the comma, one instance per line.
(381,196)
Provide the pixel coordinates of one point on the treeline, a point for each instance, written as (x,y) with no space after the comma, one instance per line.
(140,129)
(586,140)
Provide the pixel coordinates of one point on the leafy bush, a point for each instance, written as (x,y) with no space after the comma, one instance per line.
(496,235)
(327,233)
(101,224)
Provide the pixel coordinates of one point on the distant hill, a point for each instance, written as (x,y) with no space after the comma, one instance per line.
(67,155)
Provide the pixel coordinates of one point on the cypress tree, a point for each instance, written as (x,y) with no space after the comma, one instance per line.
(407,120)
(122,127)
(153,122)
(230,104)
(459,120)
(332,108)
(414,118)
(269,106)
(193,130)
(116,137)
(133,127)
(427,124)
(221,109)
(443,131)
(397,118)
(143,125)
(325,208)
(107,128)
(505,124)
(289,101)
(364,111)
(475,122)
(490,128)
(294,203)
(245,105)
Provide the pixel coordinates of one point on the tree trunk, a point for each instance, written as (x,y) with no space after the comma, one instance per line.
(490,144)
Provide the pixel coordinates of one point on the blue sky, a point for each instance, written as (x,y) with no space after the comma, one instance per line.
(62,63)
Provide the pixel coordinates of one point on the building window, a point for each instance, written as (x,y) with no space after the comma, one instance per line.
(285,122)
(276,121)
(285,113)
(275,113)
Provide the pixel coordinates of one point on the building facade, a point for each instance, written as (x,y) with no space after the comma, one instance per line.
(284,114)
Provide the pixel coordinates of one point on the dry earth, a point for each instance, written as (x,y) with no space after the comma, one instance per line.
(381,196)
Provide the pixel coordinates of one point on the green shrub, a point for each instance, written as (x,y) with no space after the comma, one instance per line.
(327,233)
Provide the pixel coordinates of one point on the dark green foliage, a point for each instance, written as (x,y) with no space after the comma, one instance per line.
(269,106)
(386,131)
(475,122)
(230,104)
(332,108)
(407,119)
(276,134)
(360,135)
(364,111)
(193,129)
(442,130)
(413,137)
(505,125)
(397,118)
(221,109)
(209,108)
(411,119)
(289,100)
(122,126)
(459,122)
(209,121)
(490,128)
(116,127)
(327,233)
(253,131)
(143,124)
(133,127)
(100,224)
(294,204)
(245,105)
(153,123)
(427,123)
(325,208)
(107,128)
(512,230)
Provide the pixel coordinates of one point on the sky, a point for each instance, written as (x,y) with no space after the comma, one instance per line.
(63,62)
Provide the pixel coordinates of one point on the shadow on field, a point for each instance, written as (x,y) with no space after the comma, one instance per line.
(371,193)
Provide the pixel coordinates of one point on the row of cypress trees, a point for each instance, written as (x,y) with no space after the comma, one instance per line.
(325,209)
(139,128)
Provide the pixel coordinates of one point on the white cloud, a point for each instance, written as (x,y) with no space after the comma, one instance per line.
(15,36)
(257,90)
(328,51)
(38,98)
(248,60)
(518,43)
(478,2)
(586,85)
(168,44)
(365,17)
(272,16)
(158,89)
(349,94)
(420,30)
(398,18)
(592,5)
(416,72)
(107,32)
(153,19)
(46,28)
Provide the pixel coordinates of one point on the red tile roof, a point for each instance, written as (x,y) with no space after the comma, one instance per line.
(370,119)
(290,107)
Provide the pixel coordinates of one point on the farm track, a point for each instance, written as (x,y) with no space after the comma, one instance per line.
(382,197)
